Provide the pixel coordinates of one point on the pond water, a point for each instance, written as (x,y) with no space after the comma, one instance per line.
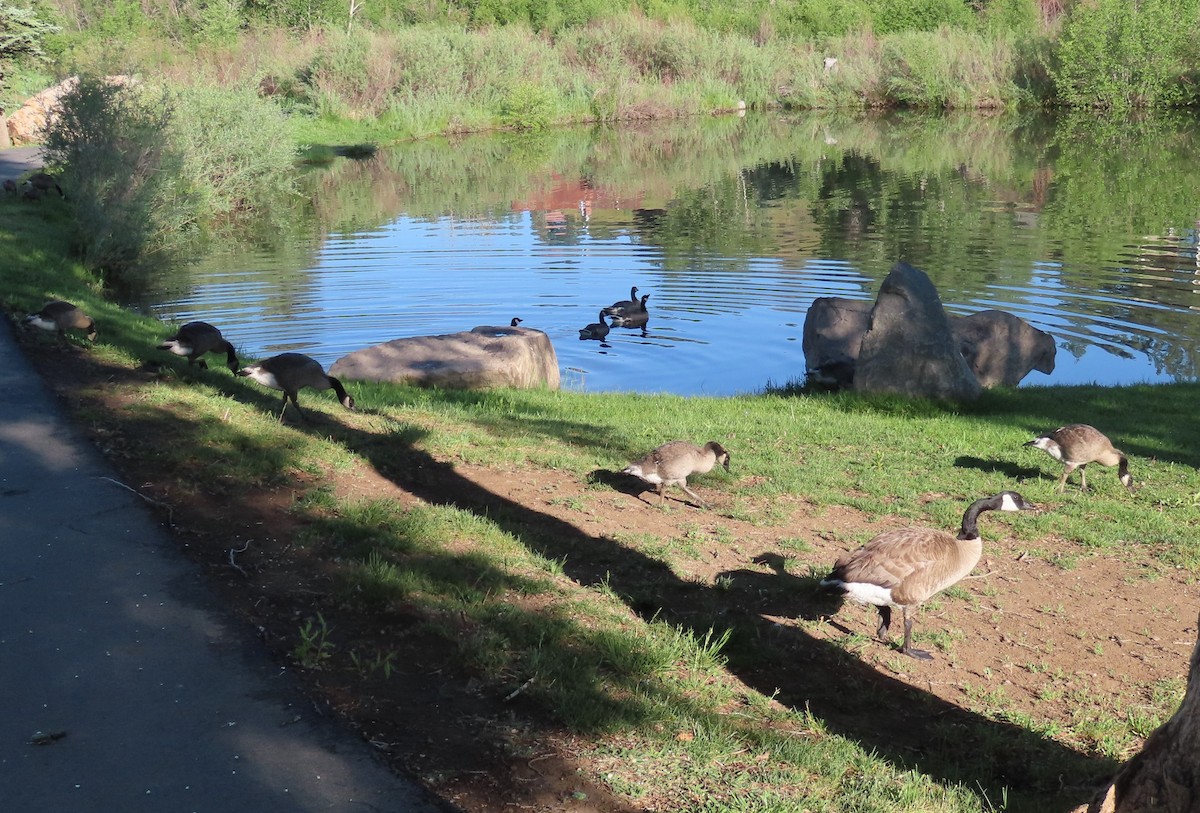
(1084,228)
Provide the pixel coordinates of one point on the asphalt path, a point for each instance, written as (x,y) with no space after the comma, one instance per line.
(124,685)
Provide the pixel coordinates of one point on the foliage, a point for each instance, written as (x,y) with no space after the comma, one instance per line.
(894,16)
(150,170)
(111,141)
(22,32)
(948,69)
(1116,54)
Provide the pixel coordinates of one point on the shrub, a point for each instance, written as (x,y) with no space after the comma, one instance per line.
(147,170)
(111,141)
(1116,54)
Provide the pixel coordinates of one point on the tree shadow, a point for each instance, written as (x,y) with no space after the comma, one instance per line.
(911,728)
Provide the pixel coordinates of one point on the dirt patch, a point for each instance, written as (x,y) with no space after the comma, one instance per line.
(1029,639)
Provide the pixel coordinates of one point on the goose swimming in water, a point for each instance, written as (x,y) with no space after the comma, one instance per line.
(596,330)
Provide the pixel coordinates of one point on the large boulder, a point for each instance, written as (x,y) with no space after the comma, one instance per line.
(833,331)
(1001,348)
(482,358)
(27,125)
(909,348)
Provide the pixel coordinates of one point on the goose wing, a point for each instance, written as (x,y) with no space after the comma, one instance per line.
(892,557)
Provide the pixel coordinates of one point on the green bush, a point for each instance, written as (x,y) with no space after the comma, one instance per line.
(893,16)
(147,171)
(1120,55)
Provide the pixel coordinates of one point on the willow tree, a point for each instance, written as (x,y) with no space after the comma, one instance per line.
(1165,776)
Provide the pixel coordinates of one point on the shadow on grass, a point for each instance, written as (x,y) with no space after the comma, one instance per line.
(910,728)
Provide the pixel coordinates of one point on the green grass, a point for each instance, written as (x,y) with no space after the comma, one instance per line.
(669,701)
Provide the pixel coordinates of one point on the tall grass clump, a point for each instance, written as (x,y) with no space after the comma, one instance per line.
(1119,55)
(949,69)
(150,170)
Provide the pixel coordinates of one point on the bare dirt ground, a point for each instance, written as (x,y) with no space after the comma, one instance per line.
(1035,640)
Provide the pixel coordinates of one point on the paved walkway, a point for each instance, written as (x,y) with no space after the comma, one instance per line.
(15,161)
(108,637)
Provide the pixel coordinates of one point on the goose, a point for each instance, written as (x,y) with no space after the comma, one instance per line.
(195,339)
(906,566)
(515,321)
(292,372)
(638,311)
(44,182)
(671,463)
(624,305)
(60,317)
(10,186)
(1077,444)
(596,330)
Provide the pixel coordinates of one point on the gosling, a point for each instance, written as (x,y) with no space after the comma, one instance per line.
(1077,444)
(907,566)
(195,339)
(672,463)
(596,330)
(292,372)
(59,317)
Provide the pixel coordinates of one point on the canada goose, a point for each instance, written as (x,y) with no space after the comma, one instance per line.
(292,372)
(44,183)
(671,463)
(633,318)
(596,330)
(624,304)
(515,321)
(1077,444)
(905,567)
(195,339)
(60,317)
(636,311)
(10,186)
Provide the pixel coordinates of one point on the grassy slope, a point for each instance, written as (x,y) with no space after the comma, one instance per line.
(631,683)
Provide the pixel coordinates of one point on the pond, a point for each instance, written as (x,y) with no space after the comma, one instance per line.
(1086,229)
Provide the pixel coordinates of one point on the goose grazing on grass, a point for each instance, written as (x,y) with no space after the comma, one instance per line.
(43,183)
(1077,444)
(907,566)
(624,305)
(596,330)
(195,339)
(292,372)
(672,463)
(59,317)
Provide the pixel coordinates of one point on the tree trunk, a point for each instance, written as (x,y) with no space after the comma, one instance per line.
(1165,776)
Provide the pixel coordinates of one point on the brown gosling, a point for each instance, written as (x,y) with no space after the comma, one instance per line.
(1077,444)
(59,317)
(292,372)
(905,567)
(624,304)
(195,339)
(596,330)
(671,463)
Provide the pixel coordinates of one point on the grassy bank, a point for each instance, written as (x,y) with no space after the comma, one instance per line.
(489,526)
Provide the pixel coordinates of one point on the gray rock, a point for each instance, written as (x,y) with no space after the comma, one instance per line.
(833,331)
(482,358)
(909,348)
(1002,349)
